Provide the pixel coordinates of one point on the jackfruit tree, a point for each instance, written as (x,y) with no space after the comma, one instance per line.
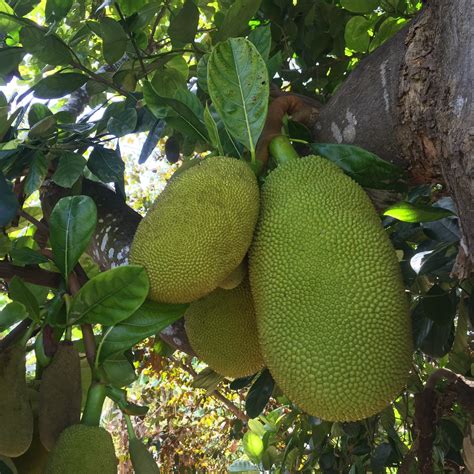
(236,236)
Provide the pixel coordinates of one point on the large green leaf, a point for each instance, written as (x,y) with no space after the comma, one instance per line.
(212,131)
(259,394)
(48,48)
(106,164)
(59,85)
(37,173)
(11,314)
(237,18)
(361,165)
(6,25)
(183,26)
(56,10)
(19,291)
(114,39)
(111,296)
(119,371)
(357,34)
(8,202)
(408,212)
(72,224)
(10,58)
(148,320)
(69,169)
(237,79)
(123,122)
(262,39)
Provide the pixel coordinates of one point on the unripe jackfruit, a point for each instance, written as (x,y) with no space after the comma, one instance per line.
(142,460)
(222,330)
(83,449)
(331,310)
(198,231)
(60,394)
(16,416)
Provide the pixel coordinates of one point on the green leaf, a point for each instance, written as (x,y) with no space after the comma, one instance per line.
(361,165)
(237,18)
(59,85)
(44,128)
(438,305)
(114,40)
(6,25)
(18,291)
(37,113)
(5,245)
(48,48)
(56,10)
(259,394)
(69,169)
(202,72)
(106,164)
(119,371)
(26,256)
(111,296)
(11,314)
(183,26)
(212,131)
(8,202)
(360,6)
(37,173)
(356,34)
(262,39)
(408,212)
(10,58)
(238,85)
(148,320)
(387,29)
(152,139)
(71,224)
(123,122)
(253,446)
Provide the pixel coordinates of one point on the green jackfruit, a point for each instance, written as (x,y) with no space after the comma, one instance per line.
(83,449)
(235,278)
(222,330)
(199,229)
(16,416)
(142,460)
(331,310)
(60,394)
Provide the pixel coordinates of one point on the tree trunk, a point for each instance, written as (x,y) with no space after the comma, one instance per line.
(410,102)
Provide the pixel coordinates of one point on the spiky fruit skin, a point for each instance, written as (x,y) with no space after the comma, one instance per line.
(198,230)
(331,310)
(16,415)
(222,330)
(60,394)
(142,460)
(83,449)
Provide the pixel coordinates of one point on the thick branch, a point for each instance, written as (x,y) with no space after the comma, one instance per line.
(37,276)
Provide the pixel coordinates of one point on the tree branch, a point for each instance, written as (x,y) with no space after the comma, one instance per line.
(34,275)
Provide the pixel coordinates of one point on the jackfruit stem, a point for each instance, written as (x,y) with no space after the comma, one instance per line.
(281,149)
(95,401)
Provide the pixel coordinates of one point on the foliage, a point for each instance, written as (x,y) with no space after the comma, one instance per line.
(82,78)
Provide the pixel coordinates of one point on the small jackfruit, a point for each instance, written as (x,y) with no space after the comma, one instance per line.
(142,460)
(222,330)
(16,416)
(60,394)
(83,449)
(331,310)
(198,230)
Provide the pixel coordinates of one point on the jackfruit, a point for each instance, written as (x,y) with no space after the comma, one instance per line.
(83,449)
(222,330)
(331,310)
(198,231)
(142,460)
(60,394)
(234,278)
(16,416)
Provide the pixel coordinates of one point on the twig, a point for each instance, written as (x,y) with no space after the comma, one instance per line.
(40,225)
(158,18)
(38,276)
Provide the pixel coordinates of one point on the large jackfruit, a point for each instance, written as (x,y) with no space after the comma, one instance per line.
(83,449)
(16,416)
(331,310)
(222,330)
(60,394)
(199,229)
